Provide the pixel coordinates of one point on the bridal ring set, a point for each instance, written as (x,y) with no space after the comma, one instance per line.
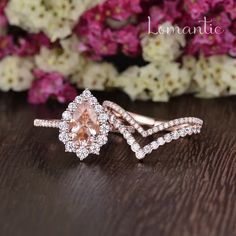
(85,125)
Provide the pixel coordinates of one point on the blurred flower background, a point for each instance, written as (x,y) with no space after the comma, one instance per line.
(52,47)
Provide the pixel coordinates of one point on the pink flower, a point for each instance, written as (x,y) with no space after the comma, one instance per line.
(159,14)
(197,8)
(122,9)
(30,45)
(221,3)
(213,43)
(3,19)
(171,10)
(50,85)
(231,9)
(129,40)
(6,46)
(99,37)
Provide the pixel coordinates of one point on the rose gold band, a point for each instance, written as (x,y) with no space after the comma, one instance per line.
(137,120)
(47,123)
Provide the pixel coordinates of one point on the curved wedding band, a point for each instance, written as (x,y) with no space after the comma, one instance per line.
(85,125)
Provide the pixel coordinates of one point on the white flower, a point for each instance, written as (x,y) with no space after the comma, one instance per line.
(130,82)
(15,73)
(164,47)
(54,17)
(65,60)
(97,76)
(212,77)
(157,83)
(229,74)
(177,80)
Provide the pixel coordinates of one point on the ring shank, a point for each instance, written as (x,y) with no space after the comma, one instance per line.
(47,123)
(145,120)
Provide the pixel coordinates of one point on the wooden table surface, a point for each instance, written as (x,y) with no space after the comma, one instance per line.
(187,187)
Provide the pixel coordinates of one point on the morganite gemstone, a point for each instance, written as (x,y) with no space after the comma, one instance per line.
(84,124)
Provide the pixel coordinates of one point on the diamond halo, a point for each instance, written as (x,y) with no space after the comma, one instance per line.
(84,126)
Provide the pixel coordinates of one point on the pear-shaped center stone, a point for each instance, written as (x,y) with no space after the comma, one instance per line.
(84,124)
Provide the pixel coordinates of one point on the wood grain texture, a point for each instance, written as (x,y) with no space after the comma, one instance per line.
(185,188)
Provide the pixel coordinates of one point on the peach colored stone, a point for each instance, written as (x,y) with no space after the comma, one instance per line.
(84,124)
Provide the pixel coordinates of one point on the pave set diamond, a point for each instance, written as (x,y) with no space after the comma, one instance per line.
(181,128)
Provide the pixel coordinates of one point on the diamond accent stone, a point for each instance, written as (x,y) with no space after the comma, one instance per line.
(63,126)
(168,138)
(104,129)
(175,135)
(140,154)
(135,147)
(101,140)
(182,133)
(72,106)
(82,153)
(70,147)
(161,141)
(95,149)
(64,137)
(147,149)
(154,145)
(66,115)
(103,117)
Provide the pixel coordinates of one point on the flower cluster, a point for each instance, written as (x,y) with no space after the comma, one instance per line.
(154,82)
(49,85)
(50,47)
(212,77)
(55,18)
(221,14)
(25,46)
(162,78)
(108,27)
(15,73)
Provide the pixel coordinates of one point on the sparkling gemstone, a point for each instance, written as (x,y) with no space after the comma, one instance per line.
(101,140)
(189,131)
(82,153)
(66,115)
(63,126)
(166,125)
(126,133)
(154,145)
(87,93)
(70,147)
(72,106)
(175,135)
(182,133)
(130,140)
(161,141)
(84,124)
(98,108)
(147,149)
(64,137)
(104,129)
(103,117)
(168,138)
(140,154)
(135,147)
